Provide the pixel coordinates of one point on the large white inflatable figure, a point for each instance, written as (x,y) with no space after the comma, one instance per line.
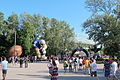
(40,48)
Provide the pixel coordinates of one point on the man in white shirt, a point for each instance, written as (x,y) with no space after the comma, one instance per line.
(4,67)
(114,69)
(93,67)
(57,62)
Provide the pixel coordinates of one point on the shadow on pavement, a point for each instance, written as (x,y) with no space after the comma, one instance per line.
(34,76)
(13,79)
(78,78)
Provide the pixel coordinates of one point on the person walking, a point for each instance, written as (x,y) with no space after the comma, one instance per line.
(70,64)
(80,63)
(21,62)
(87,66)
(65,65)
(4,65)
(93,67)
(26,62)
(55,71)
(57,61)
(75,65)
(114,67)
(107,66)
(118,61)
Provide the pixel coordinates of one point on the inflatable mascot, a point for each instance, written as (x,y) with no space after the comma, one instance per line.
(40,48)
(15,51)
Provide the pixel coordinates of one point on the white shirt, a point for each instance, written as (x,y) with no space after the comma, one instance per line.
(70,61)
(4,65)
(94,66)
(57,62)
(114,66)
(80,61)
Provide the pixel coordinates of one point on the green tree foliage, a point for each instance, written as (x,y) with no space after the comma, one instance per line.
(26,33)
(12,26)
(3,42)
(57,34)
(104,28)
(101,6)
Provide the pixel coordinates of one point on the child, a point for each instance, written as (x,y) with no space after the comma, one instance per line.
(65,65)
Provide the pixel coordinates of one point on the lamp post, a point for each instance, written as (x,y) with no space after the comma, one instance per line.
(15,36)
(15,40)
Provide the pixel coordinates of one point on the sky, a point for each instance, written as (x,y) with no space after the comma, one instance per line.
(71,11)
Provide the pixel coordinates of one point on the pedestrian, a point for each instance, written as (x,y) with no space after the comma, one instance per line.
(70,65)
(4,65)
(107,66)
(26,62)
(55,71)
(57,61)
(65,65)
(80,63)
(118,63)
(114,67)
(83,61)
(87,66)
(75,65)
(93,67)
(21,62)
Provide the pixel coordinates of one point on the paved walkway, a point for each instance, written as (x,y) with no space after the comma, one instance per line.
(39,71)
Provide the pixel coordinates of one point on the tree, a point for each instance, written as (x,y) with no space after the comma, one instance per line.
(101,6)
(3,41)
(36,21)
(24,29)
(58,35)
(26,33)
(104,28)
(12,28)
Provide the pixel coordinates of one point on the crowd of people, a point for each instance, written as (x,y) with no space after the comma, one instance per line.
(89,66)
(86,65)
(70,65)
